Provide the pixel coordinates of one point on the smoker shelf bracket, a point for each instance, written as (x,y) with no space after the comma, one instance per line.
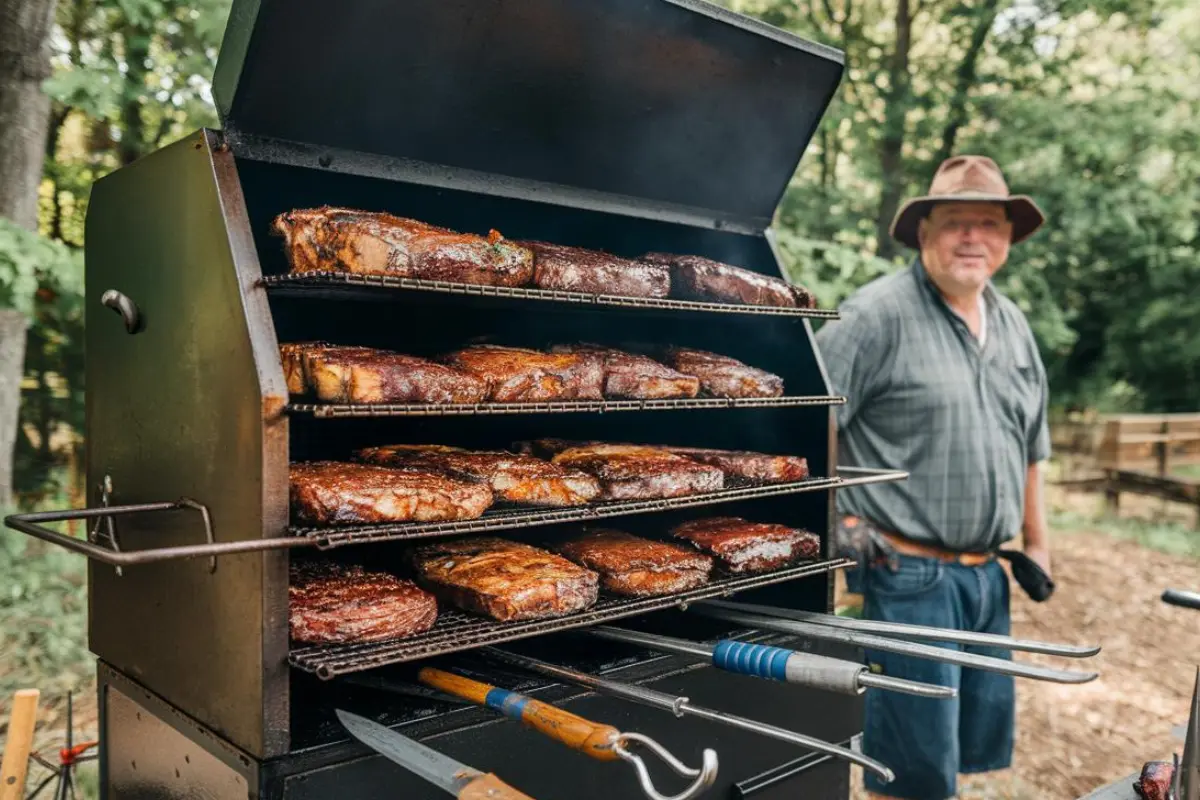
(32,524)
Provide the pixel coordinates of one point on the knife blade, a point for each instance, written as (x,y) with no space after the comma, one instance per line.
(465,783)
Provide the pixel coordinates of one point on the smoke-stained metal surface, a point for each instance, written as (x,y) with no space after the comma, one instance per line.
(669,101)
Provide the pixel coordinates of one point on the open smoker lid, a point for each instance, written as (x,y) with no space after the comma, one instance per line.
(675,102)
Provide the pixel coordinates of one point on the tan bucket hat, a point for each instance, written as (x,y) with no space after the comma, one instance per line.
(965,179)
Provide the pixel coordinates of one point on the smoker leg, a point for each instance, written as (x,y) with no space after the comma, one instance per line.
(147,753)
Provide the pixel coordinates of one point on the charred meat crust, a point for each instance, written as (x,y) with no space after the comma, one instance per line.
(330,492)
(722,376)
(361,375)
(632,566)
(632,472)
(743,546)
(334,604)
(574,269)
(516,374)
(504,580)
(698,278)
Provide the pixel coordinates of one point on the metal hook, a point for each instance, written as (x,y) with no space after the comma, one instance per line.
(705,776)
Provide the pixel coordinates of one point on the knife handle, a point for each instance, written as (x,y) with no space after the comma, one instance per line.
(580,734)
(489,787)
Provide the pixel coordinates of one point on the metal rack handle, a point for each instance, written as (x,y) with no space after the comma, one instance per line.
(1178,597)
(31,525)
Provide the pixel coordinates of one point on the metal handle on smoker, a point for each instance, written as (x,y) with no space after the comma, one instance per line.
(867,475)
(30,524)
(1178,597)
(128,310)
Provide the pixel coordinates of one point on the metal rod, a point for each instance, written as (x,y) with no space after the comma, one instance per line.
(776,663)
(869,475)
(929,652)
(1178,597)
(900,630)
(681,706)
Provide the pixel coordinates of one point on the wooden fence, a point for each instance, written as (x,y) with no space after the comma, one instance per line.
(1150,454)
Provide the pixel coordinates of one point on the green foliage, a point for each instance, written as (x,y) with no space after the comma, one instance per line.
(26,259)
(43,602)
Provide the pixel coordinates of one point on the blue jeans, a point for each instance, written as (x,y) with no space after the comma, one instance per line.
(928,742)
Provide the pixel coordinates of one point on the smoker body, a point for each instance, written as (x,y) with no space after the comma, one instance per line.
(665,125)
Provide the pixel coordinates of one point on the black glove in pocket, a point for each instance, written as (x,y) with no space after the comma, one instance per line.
(1032,578)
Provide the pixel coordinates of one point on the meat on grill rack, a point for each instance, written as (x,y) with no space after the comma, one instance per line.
(636,567)
(636,377)
(740,464)
(1155,781)
(722,376)
(503,579)
(515,374)
(743,546)
(330,603)
(634,472)
(330,492)
(698,278)
(359,375)
(373,243)
(513,478)
(574,269)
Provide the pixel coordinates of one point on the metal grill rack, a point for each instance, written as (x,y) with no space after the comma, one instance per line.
(504,519)
(456,631)
(338,284)
(331,410)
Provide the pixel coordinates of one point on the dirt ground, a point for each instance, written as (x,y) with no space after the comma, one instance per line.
(1072,739)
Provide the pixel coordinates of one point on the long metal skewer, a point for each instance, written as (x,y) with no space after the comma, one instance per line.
(681,706)
(901,630)
(809,630)
(776,663)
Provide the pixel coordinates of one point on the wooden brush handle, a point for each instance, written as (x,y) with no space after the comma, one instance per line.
(574,731)
(18,745)
(489,787)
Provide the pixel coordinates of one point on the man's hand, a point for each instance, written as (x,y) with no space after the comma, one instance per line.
(858,539)
(1041,555)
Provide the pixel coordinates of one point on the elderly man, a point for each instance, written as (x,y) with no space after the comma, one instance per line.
(943,379)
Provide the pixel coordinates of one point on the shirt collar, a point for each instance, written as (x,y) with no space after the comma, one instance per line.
(927,284)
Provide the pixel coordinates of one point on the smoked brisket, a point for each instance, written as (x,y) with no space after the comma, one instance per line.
(748,465)
(373,243)
(358,375)
(504,580)
(635,567)
(334,604)
(331,492)
(633,472)
(722,376)
(636,377)
(513,478)
(697,278)
(574,269)
(519,375)
(741,546)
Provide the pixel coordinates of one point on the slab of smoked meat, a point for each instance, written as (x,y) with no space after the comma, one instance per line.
(359,375)
(748,465)
(574,269)
(634,472)
(697,278)
(629,376)
(373,243)
(514,478)
(518,375)
(635,567)
(504,580)
(331,492)
(722,376)
(329,603)
(742,546)
(1155,781)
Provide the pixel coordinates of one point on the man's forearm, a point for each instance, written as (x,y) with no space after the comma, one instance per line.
(1034,528)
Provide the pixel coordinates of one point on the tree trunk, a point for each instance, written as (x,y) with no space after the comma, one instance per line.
(12,367)
(965,80)
(133,133)
(24,108)
(891,150)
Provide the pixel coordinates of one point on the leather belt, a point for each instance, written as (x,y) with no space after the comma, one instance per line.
(910,548)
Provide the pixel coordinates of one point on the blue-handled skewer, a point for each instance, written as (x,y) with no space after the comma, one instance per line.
(778,664)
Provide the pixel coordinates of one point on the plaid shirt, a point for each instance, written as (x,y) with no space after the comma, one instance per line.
(922,395)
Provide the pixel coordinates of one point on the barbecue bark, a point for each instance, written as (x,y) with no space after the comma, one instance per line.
(742,546)
(334,604)
(574,269)
(748,465)
(329,239)
(513,478)
(722,376)
(635,567)
(361,375)
(519,375)
(636,377)
(505,580)
(634,472)
(329,492)
(698,278)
